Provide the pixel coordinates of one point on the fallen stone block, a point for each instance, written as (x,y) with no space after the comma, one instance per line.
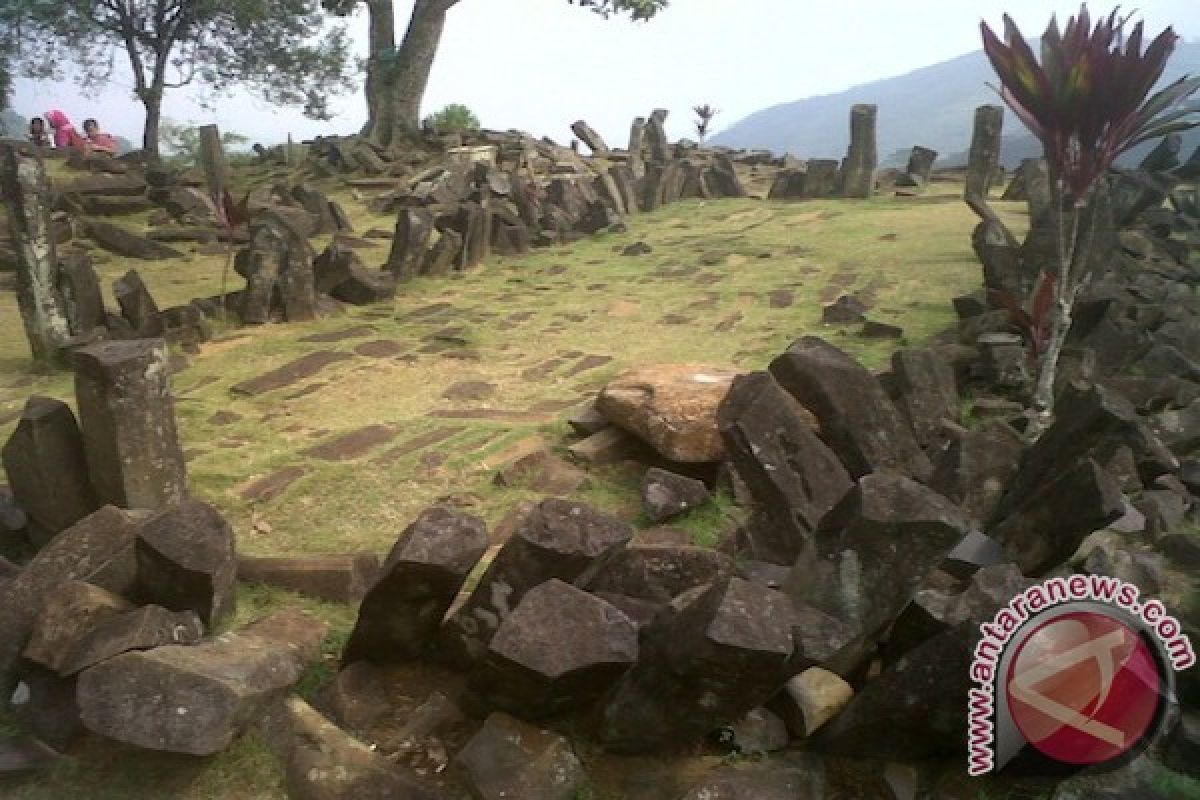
(324,762)
(716,653)
(857,419)
(99,549)
(559,650)
(792,475)
(509,759)
(672,407)
(401,612)
(142,629)
(66,617)
(666,495)
(335,578)
(195,699)
(558,539)
(187,561)
(46,468)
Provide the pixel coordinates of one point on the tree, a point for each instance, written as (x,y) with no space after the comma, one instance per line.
(275,47)
(704,118)
(454,118)
(1086,101)
(397,76)
(181,140)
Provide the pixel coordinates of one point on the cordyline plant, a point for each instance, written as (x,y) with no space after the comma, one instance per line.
(704,118)
(1087,101)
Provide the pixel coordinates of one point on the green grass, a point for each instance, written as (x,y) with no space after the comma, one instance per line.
(711,261)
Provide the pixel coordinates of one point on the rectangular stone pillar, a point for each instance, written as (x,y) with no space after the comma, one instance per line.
(858,170)
(128,417)
(26,194)
(985,150)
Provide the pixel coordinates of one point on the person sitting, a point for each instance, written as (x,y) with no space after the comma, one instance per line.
(99,142)
(37,133)
(65,134)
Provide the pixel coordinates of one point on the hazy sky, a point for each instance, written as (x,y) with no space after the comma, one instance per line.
(538,65)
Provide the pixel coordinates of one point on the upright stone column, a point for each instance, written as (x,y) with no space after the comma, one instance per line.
(46,468)
(985,150)
(656,137)
(858,169)
(128,415)
(920,164)
(637,141)
(26,195)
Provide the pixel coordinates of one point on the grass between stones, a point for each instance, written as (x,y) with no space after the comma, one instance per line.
(728,282)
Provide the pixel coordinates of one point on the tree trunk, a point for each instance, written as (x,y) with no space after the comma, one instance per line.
(26,194)
(382,43)
(152,100)
(414,61)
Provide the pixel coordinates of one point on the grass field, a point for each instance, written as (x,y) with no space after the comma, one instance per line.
(728,282)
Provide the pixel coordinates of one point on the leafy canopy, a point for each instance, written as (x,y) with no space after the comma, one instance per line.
(1087,101)
(454,118)
(279,48)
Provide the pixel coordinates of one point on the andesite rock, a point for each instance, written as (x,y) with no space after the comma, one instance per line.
(400,614)
(128,417)
(509,759)
(717,652)
(47,470)
(324,762)
(336,578)
(66,617)
(559,650)
(875,548)
(792,475)
(657,573)
(195,699)
(666,495)
(857,419)
(187,561)
(99,549)
(557,539)
(673,407)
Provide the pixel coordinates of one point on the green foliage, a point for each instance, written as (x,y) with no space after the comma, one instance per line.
(277,48)
(637,9)
(1087,99)
(181,141)
(454,118)
(704,118)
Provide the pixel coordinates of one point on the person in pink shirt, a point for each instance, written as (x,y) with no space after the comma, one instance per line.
(99,142)
(65,134)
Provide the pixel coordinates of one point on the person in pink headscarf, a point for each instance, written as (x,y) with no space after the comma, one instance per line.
(65,134)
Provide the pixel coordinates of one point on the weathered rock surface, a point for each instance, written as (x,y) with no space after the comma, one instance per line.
(46,468)
(509,759)
(927,392)
(812,698)
(325,763)
(657,573)
(559,650)
(673,407)
(558,539)
(401,612)
(976,468)
(1050,524)
(716,653)
(187,561)
(794,477)
(875,548)
(196,698)
(99,549)
(335,578)
(66,617)
(128,413)
(666,495)
(142,629)
(857,419)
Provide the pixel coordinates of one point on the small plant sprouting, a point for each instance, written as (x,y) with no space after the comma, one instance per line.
(704,118)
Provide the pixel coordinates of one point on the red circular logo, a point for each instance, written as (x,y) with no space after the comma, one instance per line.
(1083,688)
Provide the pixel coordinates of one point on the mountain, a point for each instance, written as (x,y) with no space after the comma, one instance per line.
(932,106)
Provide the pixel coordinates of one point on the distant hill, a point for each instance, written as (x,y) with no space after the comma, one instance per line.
(932,106)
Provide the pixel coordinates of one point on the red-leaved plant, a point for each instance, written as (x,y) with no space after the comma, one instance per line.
(1088,101)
